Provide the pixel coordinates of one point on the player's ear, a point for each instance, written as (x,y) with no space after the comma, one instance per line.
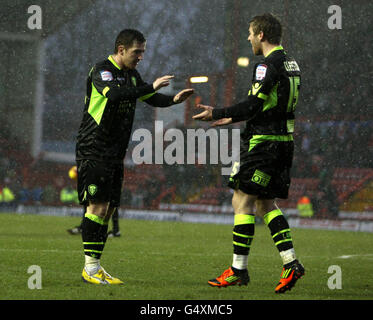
(261,36)
(121,49)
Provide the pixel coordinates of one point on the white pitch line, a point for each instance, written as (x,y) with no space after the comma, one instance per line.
(355,255)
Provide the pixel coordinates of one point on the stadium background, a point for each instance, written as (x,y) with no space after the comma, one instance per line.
(42,86)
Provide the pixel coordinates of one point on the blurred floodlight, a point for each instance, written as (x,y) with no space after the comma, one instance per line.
(243,61)
(200,79)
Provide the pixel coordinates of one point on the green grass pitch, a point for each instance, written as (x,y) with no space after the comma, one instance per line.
(174,260)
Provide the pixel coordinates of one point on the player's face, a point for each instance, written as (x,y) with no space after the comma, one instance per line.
(132,56)
(256,43)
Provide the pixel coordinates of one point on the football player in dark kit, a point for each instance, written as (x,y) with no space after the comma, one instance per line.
(113,86)
(266,153)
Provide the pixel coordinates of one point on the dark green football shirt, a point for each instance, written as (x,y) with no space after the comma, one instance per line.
(273,96)
(109,110)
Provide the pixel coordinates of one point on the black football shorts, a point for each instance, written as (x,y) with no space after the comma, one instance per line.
(99,181)
(264,170)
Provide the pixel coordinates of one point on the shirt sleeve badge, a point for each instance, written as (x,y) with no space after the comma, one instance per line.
(106,75)
(260,72)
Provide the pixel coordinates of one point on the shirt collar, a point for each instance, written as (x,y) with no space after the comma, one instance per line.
(274,49)
(113,62)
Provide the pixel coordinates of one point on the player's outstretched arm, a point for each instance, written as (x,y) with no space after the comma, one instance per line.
(160,100)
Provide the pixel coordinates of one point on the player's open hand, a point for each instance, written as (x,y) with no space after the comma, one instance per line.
(205,115)
(183,95)
(163,81)
(222,122)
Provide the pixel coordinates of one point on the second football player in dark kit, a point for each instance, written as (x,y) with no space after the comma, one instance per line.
(266,153)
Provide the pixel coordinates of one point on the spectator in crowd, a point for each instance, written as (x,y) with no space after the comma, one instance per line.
(25,195)
(328,199)
(69,195)
(50,194)
(7,196)
(304,207)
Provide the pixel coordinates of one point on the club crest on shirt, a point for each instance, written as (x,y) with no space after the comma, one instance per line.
(261,71)
(92,189)
(106,75)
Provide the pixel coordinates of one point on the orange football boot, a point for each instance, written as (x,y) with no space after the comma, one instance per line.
(230,277)
(289,276)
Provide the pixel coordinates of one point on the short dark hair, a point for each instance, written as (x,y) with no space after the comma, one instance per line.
(269,25)
(127,37)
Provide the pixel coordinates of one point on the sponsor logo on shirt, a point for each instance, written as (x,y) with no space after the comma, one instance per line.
(106,75)
(261,71)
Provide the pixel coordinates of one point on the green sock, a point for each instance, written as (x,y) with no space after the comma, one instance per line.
(243,234)
(94,234)
(280,232)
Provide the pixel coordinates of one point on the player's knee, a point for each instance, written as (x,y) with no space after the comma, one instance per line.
(264,206)
(242,203)
(98,209)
